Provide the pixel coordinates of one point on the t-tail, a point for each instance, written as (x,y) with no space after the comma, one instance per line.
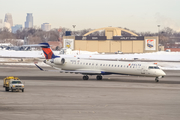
(46,50)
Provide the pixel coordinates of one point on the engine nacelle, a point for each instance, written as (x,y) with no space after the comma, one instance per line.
(58,61)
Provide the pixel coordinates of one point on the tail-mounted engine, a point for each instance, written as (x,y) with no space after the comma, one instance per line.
(58,61)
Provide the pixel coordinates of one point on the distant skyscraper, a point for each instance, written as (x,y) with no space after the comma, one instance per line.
(46,27)
(8,19)
(29,21)
(16,28)
(1,24)
(7,25)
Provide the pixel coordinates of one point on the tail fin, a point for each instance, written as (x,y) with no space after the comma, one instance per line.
(46,49)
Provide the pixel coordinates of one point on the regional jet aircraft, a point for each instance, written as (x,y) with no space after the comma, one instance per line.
(99,67)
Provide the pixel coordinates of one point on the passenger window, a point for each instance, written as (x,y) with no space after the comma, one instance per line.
(109,65)
(89,63)
(115,66)
(86,63)
(92,63)
(112,65)
(118,65)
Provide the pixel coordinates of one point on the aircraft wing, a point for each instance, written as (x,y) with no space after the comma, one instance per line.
(80,71)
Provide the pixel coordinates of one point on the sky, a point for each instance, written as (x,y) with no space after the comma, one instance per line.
(137,15)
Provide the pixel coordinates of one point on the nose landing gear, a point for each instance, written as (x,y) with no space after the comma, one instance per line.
(157,79)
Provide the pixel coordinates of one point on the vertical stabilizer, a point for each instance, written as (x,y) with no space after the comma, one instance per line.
(47,50)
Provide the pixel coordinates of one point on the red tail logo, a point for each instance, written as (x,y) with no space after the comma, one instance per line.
(48,53)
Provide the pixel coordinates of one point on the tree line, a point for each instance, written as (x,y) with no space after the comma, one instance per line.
(36,35)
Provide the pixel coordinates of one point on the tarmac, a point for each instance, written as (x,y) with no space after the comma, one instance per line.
(57,96)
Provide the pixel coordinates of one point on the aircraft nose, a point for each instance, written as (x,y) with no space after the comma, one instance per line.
(163,73)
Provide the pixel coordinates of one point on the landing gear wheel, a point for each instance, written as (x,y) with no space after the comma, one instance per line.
(22,90)
(157,80)
(12,90)
(99,77)
(6,89)
(85,77)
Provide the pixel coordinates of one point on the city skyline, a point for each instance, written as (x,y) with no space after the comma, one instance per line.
(139,15)
(46,27)
(8,19)
(29,21)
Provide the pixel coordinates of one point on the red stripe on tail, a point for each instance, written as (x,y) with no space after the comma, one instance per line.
(47,53)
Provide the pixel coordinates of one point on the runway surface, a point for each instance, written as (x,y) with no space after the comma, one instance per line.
(55,96)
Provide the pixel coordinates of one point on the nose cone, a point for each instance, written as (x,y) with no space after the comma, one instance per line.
(163,73)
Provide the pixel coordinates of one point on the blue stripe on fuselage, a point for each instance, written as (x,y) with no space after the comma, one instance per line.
(109,73)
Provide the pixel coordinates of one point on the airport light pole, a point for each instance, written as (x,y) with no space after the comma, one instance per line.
(74,28)
(159,32)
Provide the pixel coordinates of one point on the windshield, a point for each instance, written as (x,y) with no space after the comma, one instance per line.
(16,82)
(154,67)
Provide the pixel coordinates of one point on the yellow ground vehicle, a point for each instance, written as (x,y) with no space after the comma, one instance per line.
(13,83)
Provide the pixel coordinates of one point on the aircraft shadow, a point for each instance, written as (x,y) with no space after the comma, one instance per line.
(79,78)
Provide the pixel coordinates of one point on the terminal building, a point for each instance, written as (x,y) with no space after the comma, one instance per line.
(112,42)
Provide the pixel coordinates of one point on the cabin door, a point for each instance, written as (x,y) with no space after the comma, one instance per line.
(143,71)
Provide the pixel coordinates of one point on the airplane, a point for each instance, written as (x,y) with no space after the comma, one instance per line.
(98,67)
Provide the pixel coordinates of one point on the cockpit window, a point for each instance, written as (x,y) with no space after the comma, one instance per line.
(156,67)
(153,67)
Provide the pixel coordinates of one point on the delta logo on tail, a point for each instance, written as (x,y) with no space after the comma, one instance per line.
(47,51)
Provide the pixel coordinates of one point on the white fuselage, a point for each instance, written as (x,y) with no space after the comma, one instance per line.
(110,67)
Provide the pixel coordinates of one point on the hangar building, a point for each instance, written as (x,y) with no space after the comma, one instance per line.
(112,42)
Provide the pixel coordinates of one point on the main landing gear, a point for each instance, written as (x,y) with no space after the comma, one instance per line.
(85,77)
(157,79)
(99,77)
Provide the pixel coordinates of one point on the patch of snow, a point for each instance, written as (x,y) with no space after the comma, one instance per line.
(26,64)
(160,56)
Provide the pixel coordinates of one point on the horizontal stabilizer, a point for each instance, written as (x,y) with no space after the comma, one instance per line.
(43,45)
(46,49)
